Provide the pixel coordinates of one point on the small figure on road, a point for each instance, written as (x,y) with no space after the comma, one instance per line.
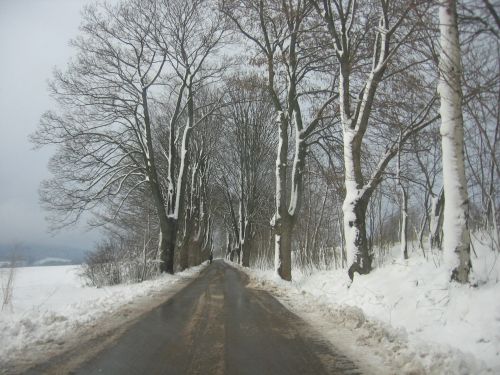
(210,257)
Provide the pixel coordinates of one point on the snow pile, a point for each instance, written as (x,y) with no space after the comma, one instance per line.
(51,302)
(410,308)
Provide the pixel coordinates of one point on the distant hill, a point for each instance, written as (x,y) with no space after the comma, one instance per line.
(30,254)
(52,262)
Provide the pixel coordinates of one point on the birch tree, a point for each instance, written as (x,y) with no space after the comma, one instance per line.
(456,239)
(403,237)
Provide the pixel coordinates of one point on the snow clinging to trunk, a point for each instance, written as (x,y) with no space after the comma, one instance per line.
(456,240)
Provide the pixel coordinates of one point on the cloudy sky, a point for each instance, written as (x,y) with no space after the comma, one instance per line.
(34,37)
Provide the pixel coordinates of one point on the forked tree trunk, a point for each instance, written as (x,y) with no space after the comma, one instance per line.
(456,241)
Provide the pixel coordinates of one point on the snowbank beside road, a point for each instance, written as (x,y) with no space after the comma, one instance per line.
(408,308)
(49,303)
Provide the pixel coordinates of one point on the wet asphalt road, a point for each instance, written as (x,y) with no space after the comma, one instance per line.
(217,325)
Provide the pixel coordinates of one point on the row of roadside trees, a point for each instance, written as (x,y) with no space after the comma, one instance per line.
(300,128)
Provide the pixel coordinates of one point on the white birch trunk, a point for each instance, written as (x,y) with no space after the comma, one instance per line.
(434,220)
(351,231)
(456,239)
(404,223)
(404,207)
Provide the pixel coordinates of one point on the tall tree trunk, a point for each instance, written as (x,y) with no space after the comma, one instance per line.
(286,216)
(404,222)
(283,250)
(176,208)
(171,243)
(228,246)
(358,258)
(167,227)
(423,225)
(456,239)
(168,236)
(185,250)
(164,239)
(354,208)
(189,214)
(436,220)
(246,245)
(241,227)
(282,240)
(403,234)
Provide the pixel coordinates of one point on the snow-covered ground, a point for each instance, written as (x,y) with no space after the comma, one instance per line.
(50,303)
(405,317)
(407,310)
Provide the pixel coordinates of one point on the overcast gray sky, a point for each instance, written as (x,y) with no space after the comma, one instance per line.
(34,36)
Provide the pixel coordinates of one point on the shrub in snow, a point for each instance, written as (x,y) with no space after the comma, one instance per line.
(114,263)
(7,283)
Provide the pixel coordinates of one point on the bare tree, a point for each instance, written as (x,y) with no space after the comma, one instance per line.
(353,26)
(107,97)
(428,162)
(196,241)
(7,278)
(191,38)
(278,32)
(245,160)
(104,127)
(480,48)
(456,241)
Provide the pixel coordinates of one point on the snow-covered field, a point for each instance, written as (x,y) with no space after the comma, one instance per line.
(407,310)
(50,303)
